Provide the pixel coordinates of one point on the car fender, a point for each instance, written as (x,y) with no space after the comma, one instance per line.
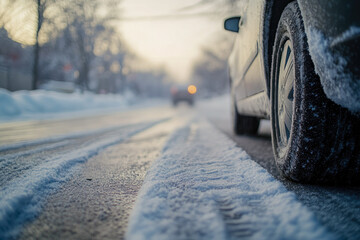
(332,28)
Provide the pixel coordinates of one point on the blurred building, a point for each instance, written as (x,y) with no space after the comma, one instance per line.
(15,64)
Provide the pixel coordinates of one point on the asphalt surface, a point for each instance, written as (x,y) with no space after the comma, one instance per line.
(96,203)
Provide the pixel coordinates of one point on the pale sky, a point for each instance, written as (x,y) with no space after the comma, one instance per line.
(171,42)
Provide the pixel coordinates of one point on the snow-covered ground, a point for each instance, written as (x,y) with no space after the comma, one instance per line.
(42,104)
(204,187)
(25,187)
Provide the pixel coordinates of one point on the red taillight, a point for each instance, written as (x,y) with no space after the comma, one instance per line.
(173,90)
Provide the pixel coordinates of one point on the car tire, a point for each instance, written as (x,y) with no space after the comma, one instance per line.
(314,139)
(244,124)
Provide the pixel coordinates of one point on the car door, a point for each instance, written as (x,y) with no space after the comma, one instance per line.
(246,51)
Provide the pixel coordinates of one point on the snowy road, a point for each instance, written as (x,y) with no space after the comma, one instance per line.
(80,178)
(336,207)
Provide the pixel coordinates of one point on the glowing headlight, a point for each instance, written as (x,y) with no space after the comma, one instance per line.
(191,89)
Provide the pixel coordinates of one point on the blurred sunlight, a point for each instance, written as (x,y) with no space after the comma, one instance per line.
(171,40)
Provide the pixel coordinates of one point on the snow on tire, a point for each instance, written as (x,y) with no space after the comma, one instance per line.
(314,139)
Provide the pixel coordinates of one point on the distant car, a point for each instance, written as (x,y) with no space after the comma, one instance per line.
(297,64)
(183,93)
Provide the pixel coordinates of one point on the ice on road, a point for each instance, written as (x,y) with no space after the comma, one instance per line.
(204,187)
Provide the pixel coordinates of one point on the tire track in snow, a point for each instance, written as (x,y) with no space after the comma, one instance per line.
(235,226)
(205,187)
(14,165)
(22,198)
(12,149)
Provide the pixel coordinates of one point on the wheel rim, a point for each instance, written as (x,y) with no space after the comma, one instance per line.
(285,93)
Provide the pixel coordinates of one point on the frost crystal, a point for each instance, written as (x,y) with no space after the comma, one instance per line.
(339,85)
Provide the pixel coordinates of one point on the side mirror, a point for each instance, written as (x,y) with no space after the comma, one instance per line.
(232,24)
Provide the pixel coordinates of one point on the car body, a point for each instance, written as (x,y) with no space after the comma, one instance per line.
(183,93)
(250,66)
(331,31)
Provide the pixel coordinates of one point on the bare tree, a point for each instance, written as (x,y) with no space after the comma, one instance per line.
(40,7)
(6,9)
(10,10)
(87,26)
(210,70)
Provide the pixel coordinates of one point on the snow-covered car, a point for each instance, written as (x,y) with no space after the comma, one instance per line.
(297,64)
(183,93)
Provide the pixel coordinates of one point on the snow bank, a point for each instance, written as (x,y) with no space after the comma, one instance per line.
(204,187)
(34,104)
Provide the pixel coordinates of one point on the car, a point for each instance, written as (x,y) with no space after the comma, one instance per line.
(297,64)
(183,93)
